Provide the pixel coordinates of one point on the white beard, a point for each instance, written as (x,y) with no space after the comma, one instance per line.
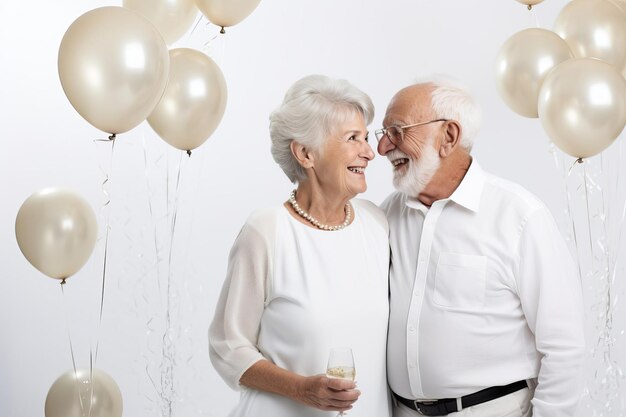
(418,173)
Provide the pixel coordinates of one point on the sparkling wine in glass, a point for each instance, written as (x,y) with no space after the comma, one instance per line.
(341,365)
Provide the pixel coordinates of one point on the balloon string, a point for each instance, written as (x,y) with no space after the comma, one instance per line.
(152,195)
(623,217)
(152,216)
(571,216)
(93,358)
(207,43)
(106,246)
(588,216)
(195,26)
(168,346)
(69,338)
(608,325)
(534,14)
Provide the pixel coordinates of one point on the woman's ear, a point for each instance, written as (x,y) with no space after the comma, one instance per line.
(301,153)
(451,138)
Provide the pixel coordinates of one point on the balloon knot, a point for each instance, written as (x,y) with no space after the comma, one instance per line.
(63,281)
(222,31)
(530,7)
(580,160)
(112,137)
(189,152)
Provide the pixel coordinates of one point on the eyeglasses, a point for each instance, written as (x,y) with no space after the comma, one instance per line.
(395,134)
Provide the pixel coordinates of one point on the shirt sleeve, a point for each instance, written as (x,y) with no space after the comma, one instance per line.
(551,297)
(234,331)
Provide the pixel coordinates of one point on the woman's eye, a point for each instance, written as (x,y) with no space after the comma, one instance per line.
(366,139)
(353,137)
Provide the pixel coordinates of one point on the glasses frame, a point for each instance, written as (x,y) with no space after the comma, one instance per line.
(381,133)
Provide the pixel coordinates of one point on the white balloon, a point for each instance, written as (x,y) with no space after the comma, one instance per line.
(582,106)
(621,4)
(530,2)
(226,13)
(79,395)
(171,17)
(194,101)
(113,66)
(523,62)
(56,231)
(594,29)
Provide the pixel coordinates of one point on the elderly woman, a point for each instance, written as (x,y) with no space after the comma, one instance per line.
(310,274)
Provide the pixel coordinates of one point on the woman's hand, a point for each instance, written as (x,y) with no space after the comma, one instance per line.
(319,391)
(329,394)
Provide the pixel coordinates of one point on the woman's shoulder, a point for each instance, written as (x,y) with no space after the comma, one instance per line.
(264,219)
(370,211)
(264,214)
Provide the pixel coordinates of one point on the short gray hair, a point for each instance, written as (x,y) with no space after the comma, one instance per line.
(310,112)
(452,100)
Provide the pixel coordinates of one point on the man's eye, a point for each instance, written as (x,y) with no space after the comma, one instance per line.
(353,137)
(367,139)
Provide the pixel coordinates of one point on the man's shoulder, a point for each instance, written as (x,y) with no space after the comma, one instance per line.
(512,193)
(370,211)
(393,201)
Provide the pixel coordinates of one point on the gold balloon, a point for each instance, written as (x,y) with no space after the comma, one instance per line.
(194,101)
(226,13)
(56,231)
(582,106)
(113,66)
(594,29)
(71,395)
(171,17)
(523,62)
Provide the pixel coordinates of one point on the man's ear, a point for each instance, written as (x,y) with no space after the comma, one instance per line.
(451,138)
(304,157)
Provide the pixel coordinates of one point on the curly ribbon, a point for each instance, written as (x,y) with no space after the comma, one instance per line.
(603,390)
(93,357)
(162,356)
(573,226)
(151,324)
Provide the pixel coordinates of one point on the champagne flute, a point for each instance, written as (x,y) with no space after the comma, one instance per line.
(341,365)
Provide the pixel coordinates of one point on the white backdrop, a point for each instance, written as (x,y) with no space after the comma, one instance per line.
(380,46)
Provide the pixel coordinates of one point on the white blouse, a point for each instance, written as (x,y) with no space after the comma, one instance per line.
(292,293)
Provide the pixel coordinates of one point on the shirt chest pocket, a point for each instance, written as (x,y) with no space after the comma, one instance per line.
(460,281)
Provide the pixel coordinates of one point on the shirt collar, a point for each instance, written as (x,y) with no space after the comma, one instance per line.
(467,194)
(469,191)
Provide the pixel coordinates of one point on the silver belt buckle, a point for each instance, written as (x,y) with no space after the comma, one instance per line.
(419,404)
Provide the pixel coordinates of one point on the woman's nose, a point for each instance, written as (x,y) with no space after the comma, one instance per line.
(368,152)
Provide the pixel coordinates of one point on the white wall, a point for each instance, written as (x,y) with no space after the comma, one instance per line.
(378,45)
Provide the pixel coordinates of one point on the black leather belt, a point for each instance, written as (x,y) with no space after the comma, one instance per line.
(448,405)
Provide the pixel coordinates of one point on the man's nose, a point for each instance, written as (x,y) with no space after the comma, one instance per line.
(385,145)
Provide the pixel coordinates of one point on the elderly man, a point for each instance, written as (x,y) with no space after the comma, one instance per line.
(486,314)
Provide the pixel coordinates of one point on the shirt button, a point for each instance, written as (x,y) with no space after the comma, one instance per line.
(411,365)
(411,329)
(416,293)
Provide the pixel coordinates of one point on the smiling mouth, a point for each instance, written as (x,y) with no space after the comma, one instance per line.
(357,170)
(399,162)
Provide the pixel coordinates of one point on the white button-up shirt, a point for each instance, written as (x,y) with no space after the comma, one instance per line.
(484,292)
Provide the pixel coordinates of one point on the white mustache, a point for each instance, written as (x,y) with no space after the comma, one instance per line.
(396,154)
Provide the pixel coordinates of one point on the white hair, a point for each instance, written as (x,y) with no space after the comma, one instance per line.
(312,109)
(452,100)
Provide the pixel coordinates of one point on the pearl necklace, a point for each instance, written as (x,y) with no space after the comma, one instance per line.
(314,221)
